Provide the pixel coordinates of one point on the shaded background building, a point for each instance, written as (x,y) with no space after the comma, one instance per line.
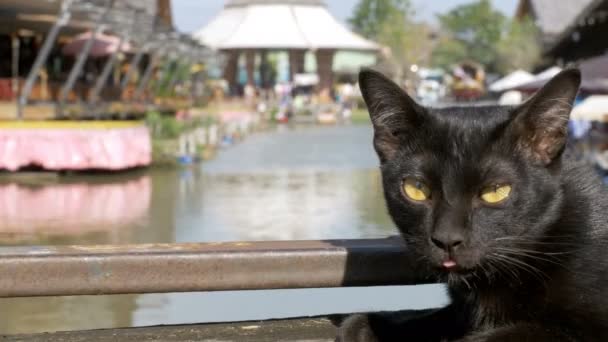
(569,30)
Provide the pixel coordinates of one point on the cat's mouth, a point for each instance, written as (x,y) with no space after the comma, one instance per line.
(450,266)
(457,275)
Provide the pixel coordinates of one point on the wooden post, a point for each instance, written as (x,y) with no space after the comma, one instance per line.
(296,62)
(250,65)
(325,61)
(231,68)
(264,70)
(16,46)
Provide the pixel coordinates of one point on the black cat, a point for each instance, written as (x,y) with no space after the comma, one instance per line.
(490,202)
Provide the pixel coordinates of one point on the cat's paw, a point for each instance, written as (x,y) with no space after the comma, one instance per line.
(356,328)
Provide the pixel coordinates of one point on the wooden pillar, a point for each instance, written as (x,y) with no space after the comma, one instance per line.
(296,63)
(325,61)
(264,70)
(231,68)
(250,66)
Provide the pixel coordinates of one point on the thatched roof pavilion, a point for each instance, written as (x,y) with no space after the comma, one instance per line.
(295,26)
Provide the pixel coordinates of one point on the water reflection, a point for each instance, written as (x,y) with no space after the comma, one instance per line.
(72,208)
(284,205)
(307,183)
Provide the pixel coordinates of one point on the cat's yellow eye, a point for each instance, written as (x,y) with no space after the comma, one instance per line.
(416,190)
(495,194)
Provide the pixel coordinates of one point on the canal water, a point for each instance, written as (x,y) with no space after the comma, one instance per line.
(294,183)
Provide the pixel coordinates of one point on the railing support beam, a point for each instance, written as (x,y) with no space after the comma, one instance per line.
(96,270)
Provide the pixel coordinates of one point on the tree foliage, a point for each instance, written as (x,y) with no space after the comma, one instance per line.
(409,43)
(519,47)
(371,16)
(473,30)
(391,23)
(478,32)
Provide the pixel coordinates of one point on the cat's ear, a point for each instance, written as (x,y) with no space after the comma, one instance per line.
(392,111)
(541,123)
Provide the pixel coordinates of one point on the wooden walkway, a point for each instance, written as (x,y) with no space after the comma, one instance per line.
(298,330)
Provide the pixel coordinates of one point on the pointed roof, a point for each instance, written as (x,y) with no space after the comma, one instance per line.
(552,17)
(279,24)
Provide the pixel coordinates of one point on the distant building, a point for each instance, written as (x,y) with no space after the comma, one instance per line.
(570,30)
(256,27)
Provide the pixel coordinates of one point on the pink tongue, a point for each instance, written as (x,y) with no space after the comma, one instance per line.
(449,264)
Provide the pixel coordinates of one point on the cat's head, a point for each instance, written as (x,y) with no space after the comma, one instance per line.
(465,185)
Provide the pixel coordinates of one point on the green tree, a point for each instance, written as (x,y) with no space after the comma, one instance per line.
(519,47)
(448,52)
(409,43)
(391,23)
(371,15)
(473,31)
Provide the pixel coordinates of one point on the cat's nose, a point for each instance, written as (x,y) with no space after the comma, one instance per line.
(447,241)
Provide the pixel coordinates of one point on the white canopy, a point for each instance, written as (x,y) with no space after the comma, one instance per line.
(286,24)
(511,81)
(593,108)
(540,79)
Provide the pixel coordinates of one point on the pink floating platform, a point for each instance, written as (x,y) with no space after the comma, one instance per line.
(74,146)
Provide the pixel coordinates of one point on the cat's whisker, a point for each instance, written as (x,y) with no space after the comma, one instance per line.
(464,279)
(530,254)
(553,255)
(485,272)
(534,271)
(499,267)
(520,239)
(546,236)
(515,263)
(421,258)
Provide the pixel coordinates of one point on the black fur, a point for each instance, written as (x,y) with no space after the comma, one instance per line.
(531,268)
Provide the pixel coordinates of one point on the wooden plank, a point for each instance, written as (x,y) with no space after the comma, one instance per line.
(297,330)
